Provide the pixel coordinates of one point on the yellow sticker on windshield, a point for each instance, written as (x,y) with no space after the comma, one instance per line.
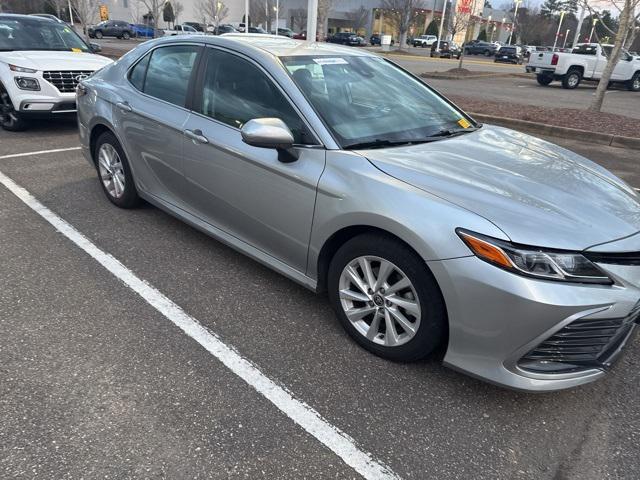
(464,123)
(77,50)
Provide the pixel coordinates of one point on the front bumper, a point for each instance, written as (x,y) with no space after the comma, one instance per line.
(497,319)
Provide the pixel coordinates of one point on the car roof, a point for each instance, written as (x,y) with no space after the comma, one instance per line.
(33,18)
(280,46)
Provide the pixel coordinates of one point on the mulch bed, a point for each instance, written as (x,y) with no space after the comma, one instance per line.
(600,122)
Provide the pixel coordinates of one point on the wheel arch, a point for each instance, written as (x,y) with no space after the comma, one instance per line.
(579,68)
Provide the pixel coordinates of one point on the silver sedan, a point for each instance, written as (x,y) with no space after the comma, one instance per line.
(429,232)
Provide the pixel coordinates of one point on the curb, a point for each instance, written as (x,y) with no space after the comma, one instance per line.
(609,139)
(444,76)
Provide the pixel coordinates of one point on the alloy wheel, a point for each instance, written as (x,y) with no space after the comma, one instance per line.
(380,301)
(573,80)
(111,170)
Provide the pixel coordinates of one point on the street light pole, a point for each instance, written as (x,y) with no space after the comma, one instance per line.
(564,44)
(576,36)
(555,42)
(277,15)
(444,12)
(70,13)
(593,27)
(515,19)
(312,20)
(246,16)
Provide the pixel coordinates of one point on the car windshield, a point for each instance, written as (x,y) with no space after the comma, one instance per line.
(366,99)
(31,34)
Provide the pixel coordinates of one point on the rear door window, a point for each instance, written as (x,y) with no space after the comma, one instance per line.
(169,73)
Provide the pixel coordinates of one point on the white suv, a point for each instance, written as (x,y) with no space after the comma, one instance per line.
(41,63)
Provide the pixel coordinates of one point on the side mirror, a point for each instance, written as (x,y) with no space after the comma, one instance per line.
(95,48)
(270,133)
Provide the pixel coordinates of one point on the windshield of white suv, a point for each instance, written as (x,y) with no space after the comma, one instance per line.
(367,101)
(33,34)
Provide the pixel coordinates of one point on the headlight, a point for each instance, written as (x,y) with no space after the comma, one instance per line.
(534,262)
(15,68)
(27,83)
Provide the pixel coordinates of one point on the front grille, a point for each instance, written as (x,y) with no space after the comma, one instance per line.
(65,81)
(581,345)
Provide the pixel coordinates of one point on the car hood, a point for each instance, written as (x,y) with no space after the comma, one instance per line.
(57,60)
(537,193)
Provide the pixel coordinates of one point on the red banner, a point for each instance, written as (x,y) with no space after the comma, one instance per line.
(464,6)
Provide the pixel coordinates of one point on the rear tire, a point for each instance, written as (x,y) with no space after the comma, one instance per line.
(633,85)
(114,172)
(572,79)
(98,34)
(544,80)
(487,53)
(126,36)
(424,319)
(10,120)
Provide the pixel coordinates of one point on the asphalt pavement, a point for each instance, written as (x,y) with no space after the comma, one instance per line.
(96,383)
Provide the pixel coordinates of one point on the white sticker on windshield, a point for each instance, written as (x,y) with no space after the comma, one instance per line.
(330,61)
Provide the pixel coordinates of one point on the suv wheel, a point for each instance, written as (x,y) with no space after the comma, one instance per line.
(10,120)
(98,34)
(386,298)
(114,171)
(634,83)
(126,36)
(487,53)
(572,79)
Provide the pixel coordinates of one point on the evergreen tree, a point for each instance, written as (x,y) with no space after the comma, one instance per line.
(167,13)
(551,8)
(432,29)
(483,35)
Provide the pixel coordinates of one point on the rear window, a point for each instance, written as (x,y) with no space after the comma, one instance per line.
(585,49)
(507,50)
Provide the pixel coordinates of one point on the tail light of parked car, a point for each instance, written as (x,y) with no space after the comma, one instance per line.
(554,59)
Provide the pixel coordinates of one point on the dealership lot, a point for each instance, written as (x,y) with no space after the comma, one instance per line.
(94,382)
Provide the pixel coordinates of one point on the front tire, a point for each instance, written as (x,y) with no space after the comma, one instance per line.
(572,79)
(633,85)
(126,36)
(10,120)
(386,298)
(114,172)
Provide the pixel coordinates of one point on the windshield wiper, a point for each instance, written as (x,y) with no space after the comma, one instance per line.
(379,143)
(451,132)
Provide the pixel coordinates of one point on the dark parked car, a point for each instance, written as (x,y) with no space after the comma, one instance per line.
(221,29)
(346,38)
(257,30)
(198,26)
(111,28)
(376,39)
(447,49)
(478,47)
(285,32)
(510,54)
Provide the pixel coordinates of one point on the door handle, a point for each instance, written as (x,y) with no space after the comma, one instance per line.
(196,136)
(124,106)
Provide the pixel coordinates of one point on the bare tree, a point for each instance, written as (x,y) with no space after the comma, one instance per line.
(260,12)
(358,17)
(86,12)
(299,16)
(463,20)
(213,11)
(58,6)
(626,25)
(402,13)
(324,9)
(154,9)
(178,8)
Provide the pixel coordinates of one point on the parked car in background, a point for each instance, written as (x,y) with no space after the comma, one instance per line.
(181,30)
(145,31)
(41,63)
(259,30)
(285,32)
(376,39)
(429,232)
(447,49)
(586,62)
(111,28)
(221,29)
(199,27)
(509,54)
(478,47)
(346,38)
(424,41)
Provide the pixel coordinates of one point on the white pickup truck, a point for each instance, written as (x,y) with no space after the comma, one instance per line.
(181,30)
(585,62)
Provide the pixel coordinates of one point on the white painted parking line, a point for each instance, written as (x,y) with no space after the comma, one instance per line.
(39,152)
(298,411)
